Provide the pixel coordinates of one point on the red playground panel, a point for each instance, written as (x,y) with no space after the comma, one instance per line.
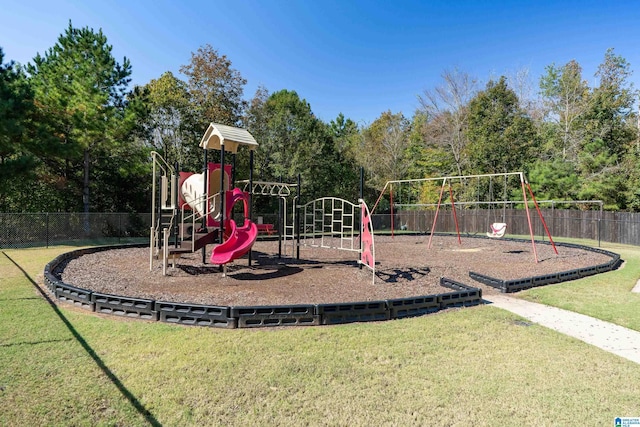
(266,229)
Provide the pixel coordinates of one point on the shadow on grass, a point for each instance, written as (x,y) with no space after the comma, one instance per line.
(112,377)
(33,342)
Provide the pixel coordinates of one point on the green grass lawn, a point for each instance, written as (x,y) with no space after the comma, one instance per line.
(472,366)
(605,296)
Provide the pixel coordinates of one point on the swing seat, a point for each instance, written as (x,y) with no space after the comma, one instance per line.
(497,229)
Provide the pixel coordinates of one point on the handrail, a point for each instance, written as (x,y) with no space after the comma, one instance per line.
(167,167)
(196,215)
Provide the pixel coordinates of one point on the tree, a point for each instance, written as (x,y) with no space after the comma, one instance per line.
(256,120)
(554,179)
(16,106)
(171,123)
(632,193)
(384,148)
(280,121)
(610,134)
(428,156)
(216,88)
(122,169)
(292,141)
(522,85)
(502,137)
(612,104)
(78,87)
(343,158)
(445,109)
(566,97)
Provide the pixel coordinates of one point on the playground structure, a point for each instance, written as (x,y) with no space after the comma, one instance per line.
(190,214)
(194,210)
(315,292)
(415,189)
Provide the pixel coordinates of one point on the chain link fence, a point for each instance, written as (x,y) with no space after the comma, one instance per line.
(25,230)
(28,230)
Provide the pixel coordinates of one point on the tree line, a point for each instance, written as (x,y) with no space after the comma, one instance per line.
(74,136)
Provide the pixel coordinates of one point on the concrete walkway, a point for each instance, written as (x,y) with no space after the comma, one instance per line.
(612,338)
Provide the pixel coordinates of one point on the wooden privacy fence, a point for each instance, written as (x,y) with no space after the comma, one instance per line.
(613,227)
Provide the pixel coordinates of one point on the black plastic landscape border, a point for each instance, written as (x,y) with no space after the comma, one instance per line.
(185,313)
(515,285)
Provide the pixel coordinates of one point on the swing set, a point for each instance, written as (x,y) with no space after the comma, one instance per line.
(496,228)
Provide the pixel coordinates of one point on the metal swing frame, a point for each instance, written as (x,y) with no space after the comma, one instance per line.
(446,182)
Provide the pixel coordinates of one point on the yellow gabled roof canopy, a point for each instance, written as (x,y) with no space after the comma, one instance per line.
(229,137)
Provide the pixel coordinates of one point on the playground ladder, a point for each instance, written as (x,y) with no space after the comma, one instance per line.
(165,208)
(331,218)
(289,228)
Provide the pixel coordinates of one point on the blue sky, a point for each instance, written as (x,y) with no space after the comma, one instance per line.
(360,58)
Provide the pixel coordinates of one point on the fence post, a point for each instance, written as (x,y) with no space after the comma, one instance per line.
(47,228)
(599,221)
(553,218)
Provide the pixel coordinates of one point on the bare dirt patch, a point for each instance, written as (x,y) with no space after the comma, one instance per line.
(405,268)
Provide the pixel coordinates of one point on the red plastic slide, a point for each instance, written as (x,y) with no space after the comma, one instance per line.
(237,245)
(240,239)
